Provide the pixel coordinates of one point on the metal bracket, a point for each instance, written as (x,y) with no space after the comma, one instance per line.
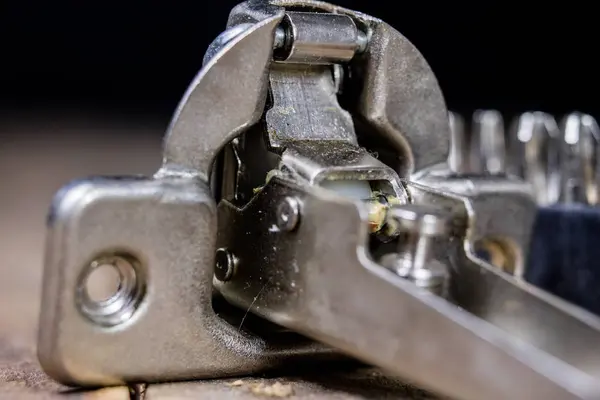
(168,225)
(322,281)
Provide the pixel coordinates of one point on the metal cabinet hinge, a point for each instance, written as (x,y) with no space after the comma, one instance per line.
(306,210)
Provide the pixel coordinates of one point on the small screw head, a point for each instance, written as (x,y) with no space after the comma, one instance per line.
(288,214)
(225,265)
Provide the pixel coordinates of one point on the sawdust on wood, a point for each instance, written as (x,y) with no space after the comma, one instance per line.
(275,390)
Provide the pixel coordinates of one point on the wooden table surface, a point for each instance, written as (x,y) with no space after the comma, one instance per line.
(38,154)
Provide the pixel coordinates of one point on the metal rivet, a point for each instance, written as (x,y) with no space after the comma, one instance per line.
(288,214)
(362,42)
(414,261)
(225,265)
(280,37)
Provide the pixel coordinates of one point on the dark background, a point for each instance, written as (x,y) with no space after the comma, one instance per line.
(138,57)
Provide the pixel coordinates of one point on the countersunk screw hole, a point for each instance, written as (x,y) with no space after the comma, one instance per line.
(110,289)
(103,283)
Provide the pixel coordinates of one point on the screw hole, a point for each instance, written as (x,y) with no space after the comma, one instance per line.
(103,283)
(110,289)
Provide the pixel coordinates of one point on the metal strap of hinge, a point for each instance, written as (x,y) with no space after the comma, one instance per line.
(307,133)
(305,79)
(306,124)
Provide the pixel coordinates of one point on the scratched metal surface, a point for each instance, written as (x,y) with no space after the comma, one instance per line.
(38,154)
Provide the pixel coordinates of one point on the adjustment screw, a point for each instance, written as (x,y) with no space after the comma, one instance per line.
(225,265)
(288,214)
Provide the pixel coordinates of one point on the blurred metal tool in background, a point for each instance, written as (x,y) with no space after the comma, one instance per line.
(533,151)
(580,159)
(305,193)
(488,148)
(458,157)
(477,147)
(561,164)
